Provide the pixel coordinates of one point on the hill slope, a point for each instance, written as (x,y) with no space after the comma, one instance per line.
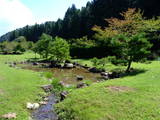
(130,98)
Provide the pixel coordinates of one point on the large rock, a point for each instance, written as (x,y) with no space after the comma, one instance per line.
(68,65)
(82,85)
(96,70)
(43,102)
(9,116)
(105,77)
(79,78)
(35,63)
(47,88)
(76,64)
(11,65)
(63,95)
(104,73)
(32,106)
(113,75)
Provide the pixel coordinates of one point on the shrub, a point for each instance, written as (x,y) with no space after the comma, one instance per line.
(95,62)
(57,87)
(48,75)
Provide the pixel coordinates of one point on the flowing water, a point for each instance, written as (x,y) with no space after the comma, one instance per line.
(68,76)
(46,112)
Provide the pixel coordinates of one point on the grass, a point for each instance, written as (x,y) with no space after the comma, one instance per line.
(17,86)
(108,67)
(98,102)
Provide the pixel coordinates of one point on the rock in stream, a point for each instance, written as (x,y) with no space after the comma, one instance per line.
(46,112)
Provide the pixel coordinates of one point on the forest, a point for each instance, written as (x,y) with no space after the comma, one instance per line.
(78,23)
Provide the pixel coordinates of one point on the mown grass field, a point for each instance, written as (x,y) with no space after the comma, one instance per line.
(140,100)
(17,86)
(137,96)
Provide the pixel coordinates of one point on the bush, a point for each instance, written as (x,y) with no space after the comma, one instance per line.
(57,87)
(48,75)
(95,61)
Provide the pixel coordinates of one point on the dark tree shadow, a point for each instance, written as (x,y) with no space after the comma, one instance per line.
(38,60)
(132,72)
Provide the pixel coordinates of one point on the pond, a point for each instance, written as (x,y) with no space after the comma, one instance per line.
(68,76)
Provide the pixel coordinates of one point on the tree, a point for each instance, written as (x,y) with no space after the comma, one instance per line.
(59,50)
(42,46)
(126,37)
(134,48)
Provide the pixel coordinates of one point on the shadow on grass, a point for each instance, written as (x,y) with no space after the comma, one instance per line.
(38,60)
(132,72)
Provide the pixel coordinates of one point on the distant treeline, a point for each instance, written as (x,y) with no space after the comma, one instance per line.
(79,22)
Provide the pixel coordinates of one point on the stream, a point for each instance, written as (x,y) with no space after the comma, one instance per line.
(46,112)
(68,77)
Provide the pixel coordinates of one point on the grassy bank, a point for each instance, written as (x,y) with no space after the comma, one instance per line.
(17,86)
(134,97)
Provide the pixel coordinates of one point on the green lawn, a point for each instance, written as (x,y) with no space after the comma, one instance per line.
(108,66)
(141,101)
(17,86)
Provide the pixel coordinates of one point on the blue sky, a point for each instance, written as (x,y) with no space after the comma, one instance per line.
(18,13)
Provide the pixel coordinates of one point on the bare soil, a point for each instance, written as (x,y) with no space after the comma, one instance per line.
(120,88)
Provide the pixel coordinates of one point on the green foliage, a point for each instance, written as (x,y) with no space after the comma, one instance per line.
(59,50)
(100,63)
(57,87)
(95,62)
(48,75)
(42,46)
(19,45)
(126,37)
(131,49)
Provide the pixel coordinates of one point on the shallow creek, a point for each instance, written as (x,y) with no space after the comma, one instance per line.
(46,112)
(68,76)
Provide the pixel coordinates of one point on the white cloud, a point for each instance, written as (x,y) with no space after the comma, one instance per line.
(15,14)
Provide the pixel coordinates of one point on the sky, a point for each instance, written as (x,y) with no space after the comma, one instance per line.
(19,13)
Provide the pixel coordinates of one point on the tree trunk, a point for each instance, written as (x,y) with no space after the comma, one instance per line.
(129,66)
(35,55)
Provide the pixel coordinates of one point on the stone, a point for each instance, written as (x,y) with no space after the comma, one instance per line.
(35,63)
(47,88)
(10,116)
(11,65)
(76,64)
(105,77)
(61,83)
(43,103)
(113,75)
(96,70)
(104,74)
(14,63)
(68,65)
(46,99)
(63,95)
(32,106)
(80,77)
(82,85)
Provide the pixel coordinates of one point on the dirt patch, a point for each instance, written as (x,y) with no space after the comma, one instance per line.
(1,92)
(120,88)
